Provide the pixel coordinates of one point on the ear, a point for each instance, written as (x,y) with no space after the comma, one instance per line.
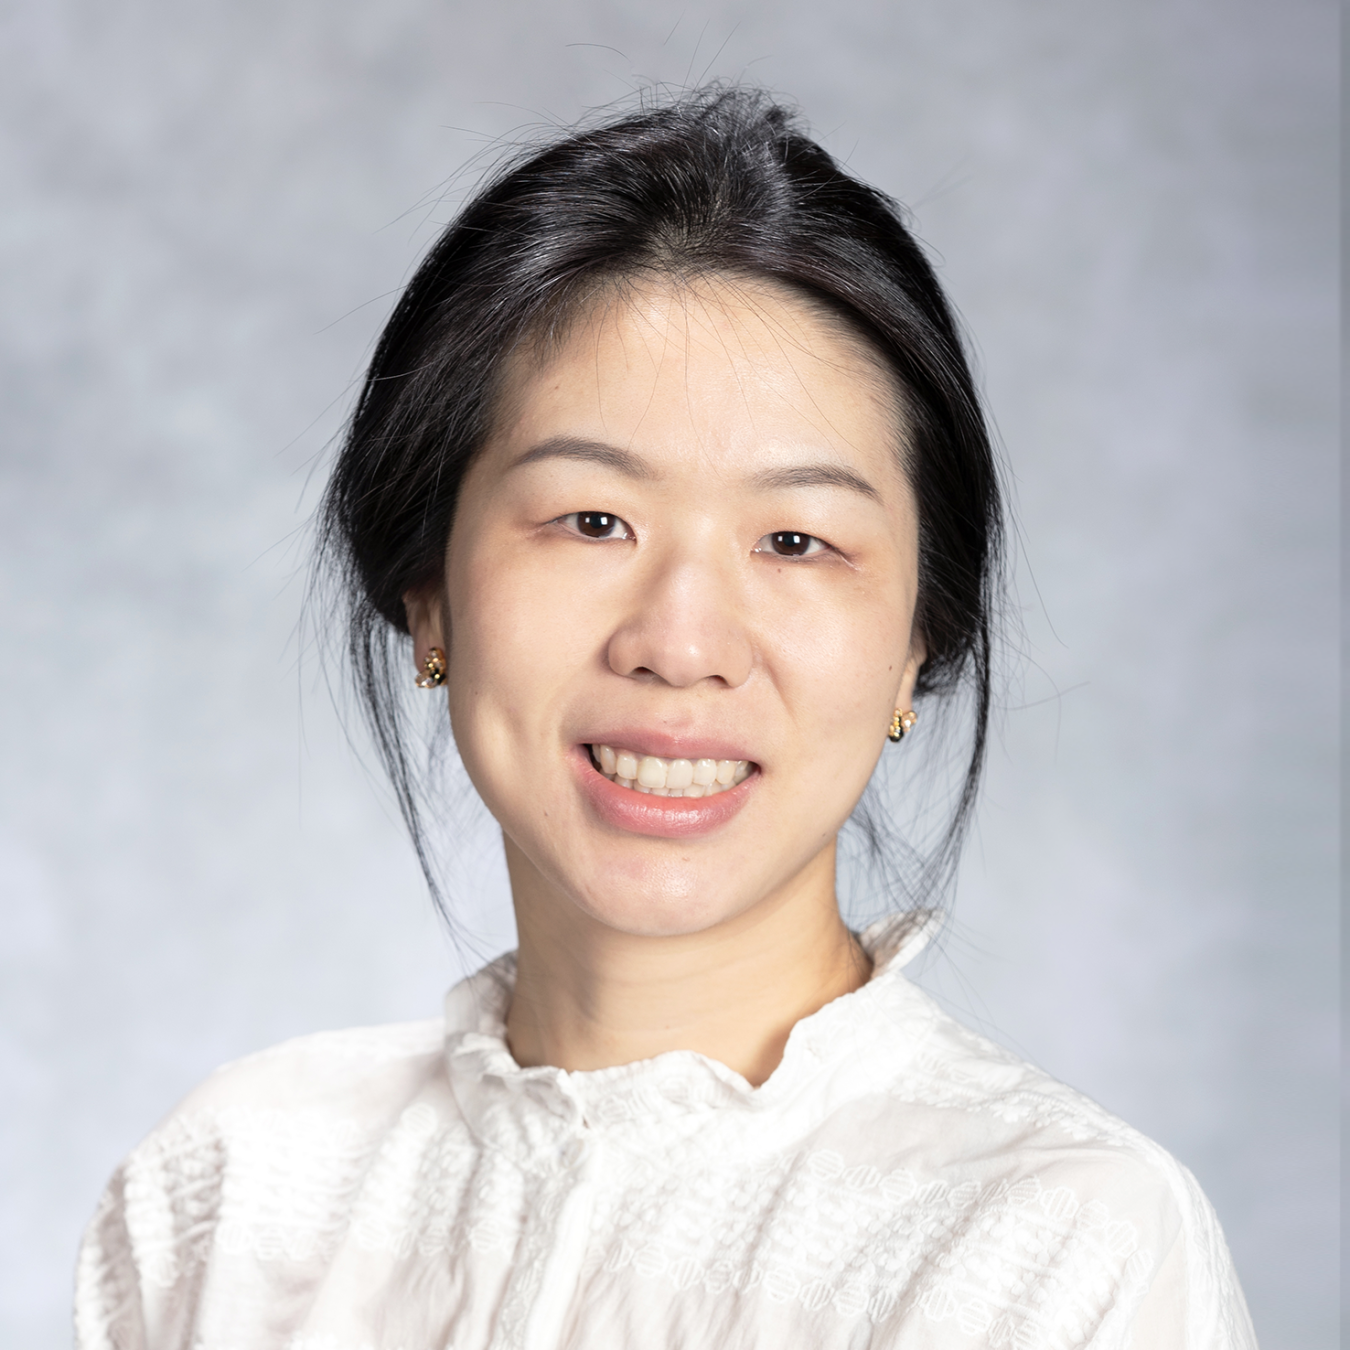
(909,677)
(426,624)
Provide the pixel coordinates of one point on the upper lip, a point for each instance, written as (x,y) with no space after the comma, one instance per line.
(667,745)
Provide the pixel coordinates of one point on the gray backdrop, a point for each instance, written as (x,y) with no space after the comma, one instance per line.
(207,209)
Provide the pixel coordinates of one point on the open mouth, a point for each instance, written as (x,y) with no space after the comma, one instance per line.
(669,777)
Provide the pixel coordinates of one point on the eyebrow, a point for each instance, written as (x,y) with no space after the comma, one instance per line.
(634,466)
(588,452)
(816,475)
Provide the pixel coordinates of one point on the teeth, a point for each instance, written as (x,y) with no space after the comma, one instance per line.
(669,777)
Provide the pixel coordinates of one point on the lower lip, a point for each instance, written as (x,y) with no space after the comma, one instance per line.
(663,817)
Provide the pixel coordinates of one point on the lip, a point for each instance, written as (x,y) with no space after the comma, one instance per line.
(660,817)
(645,741)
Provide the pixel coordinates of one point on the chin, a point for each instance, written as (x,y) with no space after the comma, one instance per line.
(658,914)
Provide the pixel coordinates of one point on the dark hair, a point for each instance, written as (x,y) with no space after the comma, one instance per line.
(721,181)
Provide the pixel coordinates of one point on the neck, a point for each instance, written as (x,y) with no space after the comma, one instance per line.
(589,997)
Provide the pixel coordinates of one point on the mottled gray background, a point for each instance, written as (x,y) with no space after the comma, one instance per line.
(207,209)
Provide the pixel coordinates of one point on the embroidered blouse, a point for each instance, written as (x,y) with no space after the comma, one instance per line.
(897,1182)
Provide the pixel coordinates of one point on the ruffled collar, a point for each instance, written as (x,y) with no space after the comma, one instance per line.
(537,1114)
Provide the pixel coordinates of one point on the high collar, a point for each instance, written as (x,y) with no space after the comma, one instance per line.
(536,1115)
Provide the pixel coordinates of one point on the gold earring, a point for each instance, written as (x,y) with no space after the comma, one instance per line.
(902,722)
(433,670)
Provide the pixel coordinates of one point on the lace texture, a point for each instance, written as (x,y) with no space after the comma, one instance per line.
(897,1182)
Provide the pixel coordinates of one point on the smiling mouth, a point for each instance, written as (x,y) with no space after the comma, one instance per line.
(669,777)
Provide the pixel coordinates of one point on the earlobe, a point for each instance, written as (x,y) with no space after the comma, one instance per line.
(904,718)
(918,654)
(423,611)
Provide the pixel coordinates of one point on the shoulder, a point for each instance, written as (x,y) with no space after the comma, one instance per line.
(989,1103)
(950,1069)
(272,1144)
(331,1087)
(1055,1172)
(319,1096)
(327,1069)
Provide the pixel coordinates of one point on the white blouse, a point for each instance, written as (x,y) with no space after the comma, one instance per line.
(897,1182)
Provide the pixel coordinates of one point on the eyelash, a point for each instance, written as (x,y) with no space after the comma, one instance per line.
(810,544)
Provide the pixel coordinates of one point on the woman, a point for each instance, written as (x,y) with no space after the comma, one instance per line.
(670,467)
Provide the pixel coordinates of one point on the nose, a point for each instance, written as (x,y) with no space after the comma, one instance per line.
(685,626)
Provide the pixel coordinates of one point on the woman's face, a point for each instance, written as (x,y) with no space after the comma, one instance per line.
(690,541)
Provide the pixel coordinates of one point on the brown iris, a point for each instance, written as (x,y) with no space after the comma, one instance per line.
(789,544)
(596,524)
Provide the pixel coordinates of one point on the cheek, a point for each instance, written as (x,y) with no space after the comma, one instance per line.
(495,633)
(841,660)
(515,640)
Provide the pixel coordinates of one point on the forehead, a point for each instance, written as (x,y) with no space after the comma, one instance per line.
(720,370)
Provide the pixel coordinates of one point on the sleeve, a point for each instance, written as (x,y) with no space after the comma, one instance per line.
(257,1163)
(145,1253)
(1194,1300)
(108,1314)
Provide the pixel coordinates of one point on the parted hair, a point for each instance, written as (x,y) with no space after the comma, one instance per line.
(719,182)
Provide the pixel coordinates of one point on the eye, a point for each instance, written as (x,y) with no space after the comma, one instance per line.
(596,525)
(790,544)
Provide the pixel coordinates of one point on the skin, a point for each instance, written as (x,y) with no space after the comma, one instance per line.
(678,410)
